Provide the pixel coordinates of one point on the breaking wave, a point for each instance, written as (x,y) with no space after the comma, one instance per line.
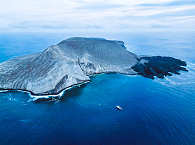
(187,78)
(40,98)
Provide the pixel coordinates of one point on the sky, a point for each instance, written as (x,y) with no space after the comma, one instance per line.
(96,15)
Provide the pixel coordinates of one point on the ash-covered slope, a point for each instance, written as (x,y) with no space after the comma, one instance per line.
(73,61)
(66,64)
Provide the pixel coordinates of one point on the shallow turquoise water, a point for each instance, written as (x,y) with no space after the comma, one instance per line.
(155,112)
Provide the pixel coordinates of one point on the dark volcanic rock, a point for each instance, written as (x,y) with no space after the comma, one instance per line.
(159,66)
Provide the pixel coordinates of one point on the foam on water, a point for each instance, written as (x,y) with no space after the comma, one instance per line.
(47,97)
(3,91)
(35,98)
(186,78)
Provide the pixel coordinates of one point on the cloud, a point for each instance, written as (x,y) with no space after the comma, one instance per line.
(97,6)
(96,15)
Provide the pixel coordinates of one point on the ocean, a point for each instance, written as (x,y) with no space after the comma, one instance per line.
(155,112)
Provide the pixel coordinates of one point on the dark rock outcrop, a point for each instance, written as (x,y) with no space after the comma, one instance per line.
(159,66)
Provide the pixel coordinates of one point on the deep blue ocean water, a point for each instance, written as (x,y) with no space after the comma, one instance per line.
(155,112)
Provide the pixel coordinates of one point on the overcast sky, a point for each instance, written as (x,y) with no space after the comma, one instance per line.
(96,15)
